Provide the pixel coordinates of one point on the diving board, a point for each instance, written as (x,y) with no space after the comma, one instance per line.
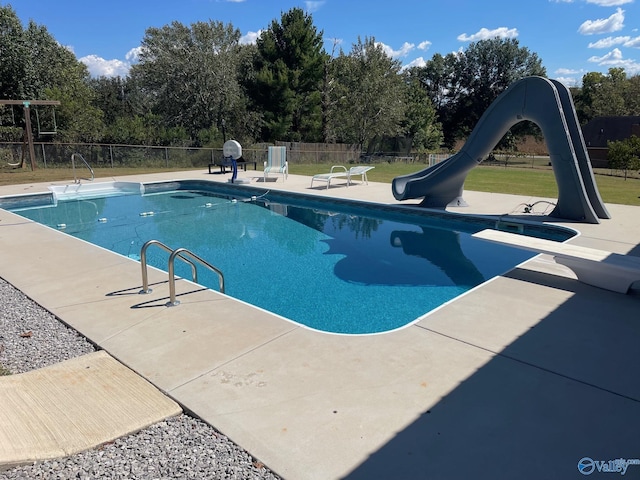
(599,268)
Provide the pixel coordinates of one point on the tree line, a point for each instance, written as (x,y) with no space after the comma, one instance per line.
(197,85)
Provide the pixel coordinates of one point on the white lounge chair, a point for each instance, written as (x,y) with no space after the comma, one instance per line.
(338,171)
(276,162)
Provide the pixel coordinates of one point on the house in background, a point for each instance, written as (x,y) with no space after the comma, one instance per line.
(601,130)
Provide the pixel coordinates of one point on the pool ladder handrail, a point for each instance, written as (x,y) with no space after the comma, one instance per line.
(143,264)
(173,254)
(178,252)
(73,166)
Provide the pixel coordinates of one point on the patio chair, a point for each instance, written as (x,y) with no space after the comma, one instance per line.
(338,171)
(276,162)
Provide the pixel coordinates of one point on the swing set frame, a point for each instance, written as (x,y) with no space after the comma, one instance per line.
(28,131)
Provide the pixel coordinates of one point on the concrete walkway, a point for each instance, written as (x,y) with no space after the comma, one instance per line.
(520,378)
(74,405)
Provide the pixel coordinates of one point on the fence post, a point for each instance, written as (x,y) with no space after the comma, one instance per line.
(111,155)
(166,156)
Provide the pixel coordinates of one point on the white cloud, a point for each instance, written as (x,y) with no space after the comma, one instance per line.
(418,62)
(633,43)
(631,67)
(614,59)
(313,6)
(609,3)
(250,38)
(403,52)
(613,23)
(99,67)
(567,71)
(485,34)
(614,55)
(424,45)
(133,55)
(569,76)
(625,41)
(609,42)
(569,81)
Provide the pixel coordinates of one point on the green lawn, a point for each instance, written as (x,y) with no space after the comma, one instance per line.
(543,183)
(521,181)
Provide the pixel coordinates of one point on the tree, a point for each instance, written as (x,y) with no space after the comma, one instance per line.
(435,78)
(624,154)
(584,96)
(632,95)
(190,77)
(14,54)
(289,70)
(612,94)
(462,85)
(369,96)
(35,66)
(78,120)
(420,122)
(112,96)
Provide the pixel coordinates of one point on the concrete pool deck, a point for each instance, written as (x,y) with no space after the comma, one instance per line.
(520,378)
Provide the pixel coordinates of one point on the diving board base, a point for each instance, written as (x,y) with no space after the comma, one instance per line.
(607,270)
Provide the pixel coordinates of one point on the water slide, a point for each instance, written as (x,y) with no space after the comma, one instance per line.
(548,104)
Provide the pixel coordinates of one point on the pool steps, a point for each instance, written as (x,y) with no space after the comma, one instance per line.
(93,190)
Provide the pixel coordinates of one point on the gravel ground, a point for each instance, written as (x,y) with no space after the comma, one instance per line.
(181,447)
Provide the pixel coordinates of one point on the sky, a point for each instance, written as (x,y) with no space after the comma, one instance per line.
(571,37)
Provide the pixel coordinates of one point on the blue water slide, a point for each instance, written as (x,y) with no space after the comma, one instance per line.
(548,104)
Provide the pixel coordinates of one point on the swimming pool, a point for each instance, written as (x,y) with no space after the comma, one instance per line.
(333,265)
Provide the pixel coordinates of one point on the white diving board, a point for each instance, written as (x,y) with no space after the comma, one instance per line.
(599,268)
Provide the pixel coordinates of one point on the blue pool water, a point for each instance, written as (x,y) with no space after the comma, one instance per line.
(334,267)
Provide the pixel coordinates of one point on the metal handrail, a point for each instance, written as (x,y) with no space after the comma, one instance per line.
(73,166)
(172,280)
(143,264)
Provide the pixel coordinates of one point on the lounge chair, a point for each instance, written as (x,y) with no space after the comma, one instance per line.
(339,171)
(276,162)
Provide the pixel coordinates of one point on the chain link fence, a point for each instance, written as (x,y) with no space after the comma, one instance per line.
(58,155)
